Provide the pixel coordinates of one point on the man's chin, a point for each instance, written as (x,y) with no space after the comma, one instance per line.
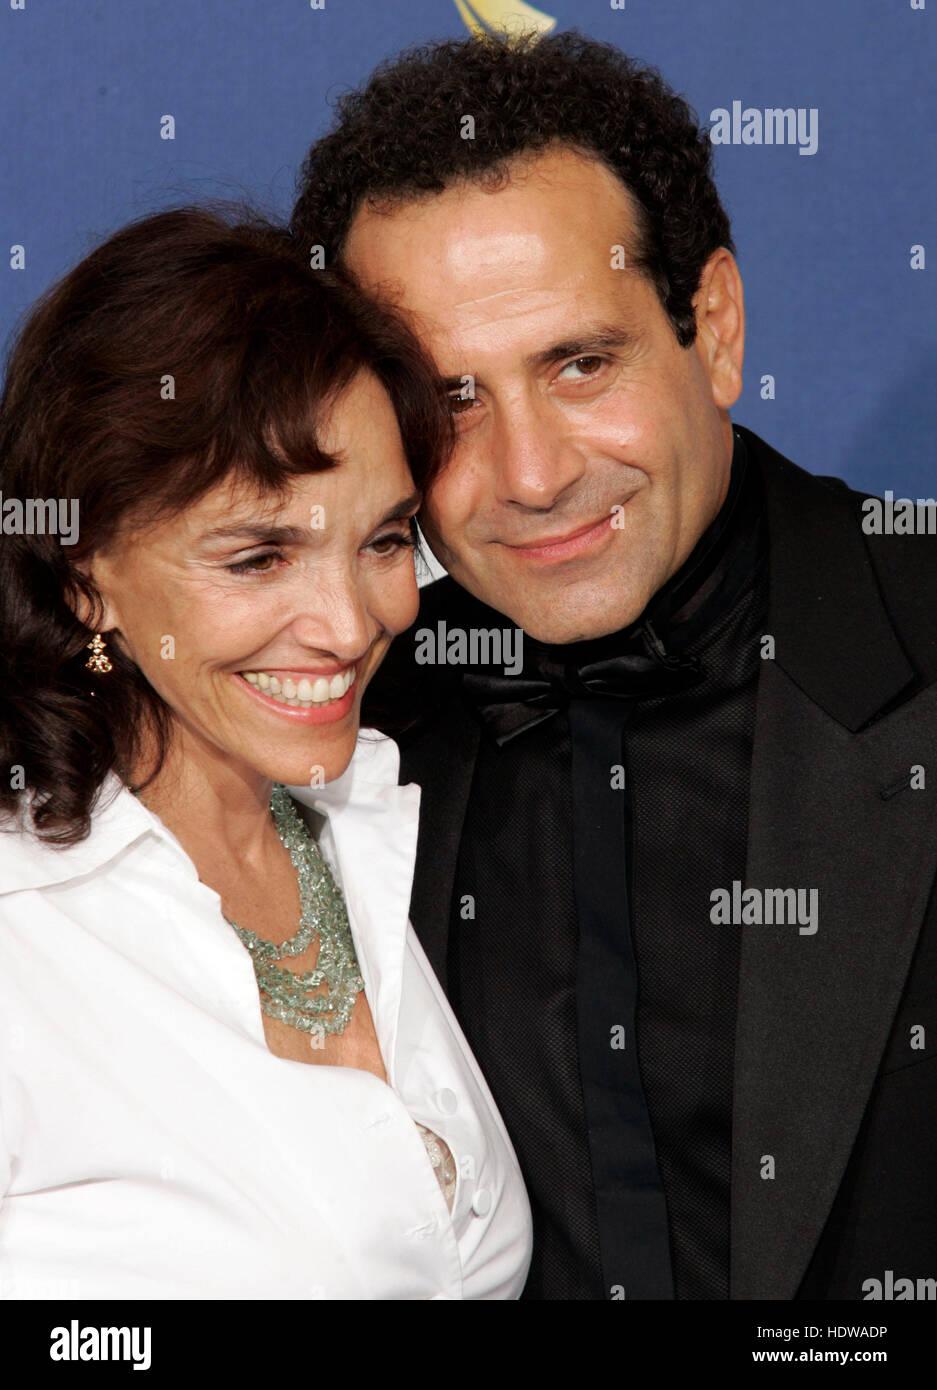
(558,615)
(560,628)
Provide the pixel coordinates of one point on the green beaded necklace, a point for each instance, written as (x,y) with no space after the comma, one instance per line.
(324,915)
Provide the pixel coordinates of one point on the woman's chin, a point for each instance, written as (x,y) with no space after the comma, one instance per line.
(318,765)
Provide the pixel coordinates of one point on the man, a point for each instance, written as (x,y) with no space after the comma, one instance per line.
(677,875)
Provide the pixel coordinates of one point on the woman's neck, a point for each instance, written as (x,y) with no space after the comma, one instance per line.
(218,807)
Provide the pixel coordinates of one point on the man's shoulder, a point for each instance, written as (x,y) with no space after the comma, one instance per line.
(827,538)
(787,482)
(883,523)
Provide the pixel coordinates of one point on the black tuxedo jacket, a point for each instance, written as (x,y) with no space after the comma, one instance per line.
(835,1081)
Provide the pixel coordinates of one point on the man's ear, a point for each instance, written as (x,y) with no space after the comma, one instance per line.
(720,321)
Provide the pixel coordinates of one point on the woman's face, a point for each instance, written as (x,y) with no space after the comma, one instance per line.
(260,622)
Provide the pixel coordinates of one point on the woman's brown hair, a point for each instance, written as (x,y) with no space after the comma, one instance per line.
(189,347)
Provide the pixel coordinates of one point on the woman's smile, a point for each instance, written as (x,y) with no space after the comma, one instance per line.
(304,697)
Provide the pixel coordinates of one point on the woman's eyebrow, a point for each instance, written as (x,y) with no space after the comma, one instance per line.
(258,533)
(402,508)
(267,533)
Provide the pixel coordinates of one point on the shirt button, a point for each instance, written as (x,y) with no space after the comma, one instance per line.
(447,1101)
(481,1202)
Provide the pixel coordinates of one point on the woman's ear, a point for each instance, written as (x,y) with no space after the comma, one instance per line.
(87,597)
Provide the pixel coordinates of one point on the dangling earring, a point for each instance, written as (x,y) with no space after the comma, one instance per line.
(98,662)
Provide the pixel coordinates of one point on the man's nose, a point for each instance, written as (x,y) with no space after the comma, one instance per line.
(535,460)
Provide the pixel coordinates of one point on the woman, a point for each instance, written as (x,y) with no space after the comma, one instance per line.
(243,442)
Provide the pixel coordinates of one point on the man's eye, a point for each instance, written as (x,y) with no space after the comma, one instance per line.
(257,564)
(599,362)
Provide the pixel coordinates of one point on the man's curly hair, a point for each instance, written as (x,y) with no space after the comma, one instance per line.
(398,138)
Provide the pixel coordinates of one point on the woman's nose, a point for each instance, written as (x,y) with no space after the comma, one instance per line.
(337,622)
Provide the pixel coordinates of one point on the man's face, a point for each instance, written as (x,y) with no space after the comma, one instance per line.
(595,450)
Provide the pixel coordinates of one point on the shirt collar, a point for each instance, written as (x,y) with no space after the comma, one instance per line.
(119,819)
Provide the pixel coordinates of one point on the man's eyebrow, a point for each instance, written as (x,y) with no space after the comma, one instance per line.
(597,337)
(266,533)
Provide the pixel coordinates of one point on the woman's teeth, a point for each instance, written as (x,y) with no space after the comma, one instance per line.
(304,693)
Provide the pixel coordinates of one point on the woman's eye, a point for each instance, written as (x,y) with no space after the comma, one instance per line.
(459,404)
(579,362)
(257,564)
(393,543)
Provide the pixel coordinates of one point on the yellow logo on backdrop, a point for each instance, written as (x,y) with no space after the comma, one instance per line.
(506,16)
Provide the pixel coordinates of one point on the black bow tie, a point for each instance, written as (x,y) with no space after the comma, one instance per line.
(510,704)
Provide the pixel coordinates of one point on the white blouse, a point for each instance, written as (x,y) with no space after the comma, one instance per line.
(152,1146)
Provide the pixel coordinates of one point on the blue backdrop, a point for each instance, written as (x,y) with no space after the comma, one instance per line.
(840,304)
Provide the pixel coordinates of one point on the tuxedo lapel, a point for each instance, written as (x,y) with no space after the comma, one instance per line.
(832,809)
(442,761)
(815,1011)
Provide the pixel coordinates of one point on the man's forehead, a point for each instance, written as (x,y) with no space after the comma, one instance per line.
(468,231)
(513,303)
(480,276)
(489,289)
(524,320)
